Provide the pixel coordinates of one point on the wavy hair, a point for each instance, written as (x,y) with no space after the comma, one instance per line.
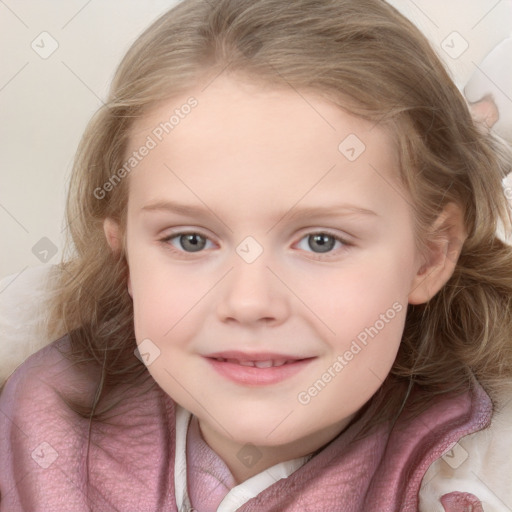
(370,61)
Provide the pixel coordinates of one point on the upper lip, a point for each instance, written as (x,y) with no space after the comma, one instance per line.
(256,356)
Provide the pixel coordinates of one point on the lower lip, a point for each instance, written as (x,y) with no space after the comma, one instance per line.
(253,376)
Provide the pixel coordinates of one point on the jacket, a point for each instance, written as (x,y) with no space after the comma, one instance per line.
(43,446)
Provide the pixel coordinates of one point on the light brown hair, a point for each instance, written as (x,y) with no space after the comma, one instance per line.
(368,59)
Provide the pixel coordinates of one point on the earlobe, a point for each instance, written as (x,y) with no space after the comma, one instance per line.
(448,234)
(112,234)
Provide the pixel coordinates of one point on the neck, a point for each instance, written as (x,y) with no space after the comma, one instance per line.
(245,460)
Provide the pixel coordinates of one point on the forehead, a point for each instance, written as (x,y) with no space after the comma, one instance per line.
(241,141)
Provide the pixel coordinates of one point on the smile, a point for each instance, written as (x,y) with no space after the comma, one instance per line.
(257,369)
(259,364)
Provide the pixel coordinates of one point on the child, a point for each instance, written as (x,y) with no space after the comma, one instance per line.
(287,208)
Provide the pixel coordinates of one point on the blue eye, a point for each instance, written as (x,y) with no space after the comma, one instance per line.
(320,242)
(188,242)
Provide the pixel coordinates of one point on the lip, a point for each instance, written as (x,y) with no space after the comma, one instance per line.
(254,376)
(254,356)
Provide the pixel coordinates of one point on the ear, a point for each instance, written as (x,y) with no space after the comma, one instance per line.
(113,235)
(448,235)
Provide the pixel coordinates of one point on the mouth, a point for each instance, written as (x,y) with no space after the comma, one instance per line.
(257,369)
(270,363)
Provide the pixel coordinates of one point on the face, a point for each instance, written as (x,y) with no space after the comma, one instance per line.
(271,256)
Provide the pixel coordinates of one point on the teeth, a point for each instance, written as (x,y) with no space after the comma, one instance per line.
(246,363)
(263,364)
(257,364)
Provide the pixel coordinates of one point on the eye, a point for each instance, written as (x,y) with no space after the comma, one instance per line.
(321,242)
(188,242)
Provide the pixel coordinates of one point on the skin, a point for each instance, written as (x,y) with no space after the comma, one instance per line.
(251,157)
(485,112)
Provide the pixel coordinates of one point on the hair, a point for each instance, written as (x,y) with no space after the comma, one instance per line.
(369,60)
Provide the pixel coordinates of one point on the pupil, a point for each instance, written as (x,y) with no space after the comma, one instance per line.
(192,242)
(321,242)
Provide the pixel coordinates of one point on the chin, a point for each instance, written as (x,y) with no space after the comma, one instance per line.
(268,431)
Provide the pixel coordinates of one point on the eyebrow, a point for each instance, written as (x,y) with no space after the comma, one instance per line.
(292,213)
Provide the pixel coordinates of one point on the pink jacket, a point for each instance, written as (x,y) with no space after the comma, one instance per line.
(131,462)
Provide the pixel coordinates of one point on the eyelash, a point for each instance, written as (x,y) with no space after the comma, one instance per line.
(318,255)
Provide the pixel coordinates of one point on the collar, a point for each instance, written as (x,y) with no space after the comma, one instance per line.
(239,494)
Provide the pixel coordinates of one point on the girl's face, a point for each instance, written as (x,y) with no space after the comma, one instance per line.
(271,255)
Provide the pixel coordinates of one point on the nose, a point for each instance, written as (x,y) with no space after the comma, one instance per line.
(252,295)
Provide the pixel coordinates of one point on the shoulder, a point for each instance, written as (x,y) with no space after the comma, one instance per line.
(119,463)
(476,468)
(38,432)
(33,399)
(44,376)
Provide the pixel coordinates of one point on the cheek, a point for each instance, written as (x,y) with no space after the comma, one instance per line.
(369,337)
(361,357)
(353,297)
(167,299)
(364,309)
(162,295)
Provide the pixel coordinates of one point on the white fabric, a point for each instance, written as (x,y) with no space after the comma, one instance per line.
(22,316)
(482,465)
(239,494)
(494,78)
(183,418)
